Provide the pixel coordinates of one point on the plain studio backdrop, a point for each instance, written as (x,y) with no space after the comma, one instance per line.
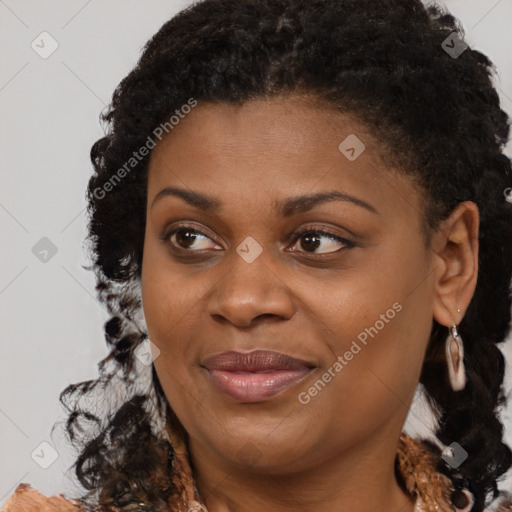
(61,62)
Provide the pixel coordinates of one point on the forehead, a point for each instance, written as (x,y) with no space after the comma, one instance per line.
(270,148)
(294,124)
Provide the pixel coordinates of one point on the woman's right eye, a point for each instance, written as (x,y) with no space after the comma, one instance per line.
(187,238)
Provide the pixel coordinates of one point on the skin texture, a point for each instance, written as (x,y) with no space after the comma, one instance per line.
(337,451)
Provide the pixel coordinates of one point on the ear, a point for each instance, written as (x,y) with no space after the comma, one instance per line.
(455,247)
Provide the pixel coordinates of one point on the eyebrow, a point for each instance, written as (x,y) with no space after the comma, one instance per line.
(286,208)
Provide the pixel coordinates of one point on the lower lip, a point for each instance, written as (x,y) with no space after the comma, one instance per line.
(256,386)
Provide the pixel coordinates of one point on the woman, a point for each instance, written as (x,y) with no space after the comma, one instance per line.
(299,214)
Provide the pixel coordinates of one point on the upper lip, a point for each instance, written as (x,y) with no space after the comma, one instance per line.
(253,361)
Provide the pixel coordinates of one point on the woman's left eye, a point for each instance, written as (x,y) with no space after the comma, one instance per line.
(312,240)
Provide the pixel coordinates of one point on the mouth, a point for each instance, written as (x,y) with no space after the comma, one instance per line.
(255,376)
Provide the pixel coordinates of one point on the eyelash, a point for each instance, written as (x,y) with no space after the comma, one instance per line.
(291,239)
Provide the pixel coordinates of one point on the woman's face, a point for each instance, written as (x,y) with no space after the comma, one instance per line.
(352,297)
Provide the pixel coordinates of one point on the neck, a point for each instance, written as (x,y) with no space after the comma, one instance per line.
(359,479)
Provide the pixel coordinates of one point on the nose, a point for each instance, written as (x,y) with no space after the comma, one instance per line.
(250,293)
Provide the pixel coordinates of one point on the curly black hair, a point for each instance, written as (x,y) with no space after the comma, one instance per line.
(438,118)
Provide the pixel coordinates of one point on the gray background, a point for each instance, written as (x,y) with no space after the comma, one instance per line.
(51,322)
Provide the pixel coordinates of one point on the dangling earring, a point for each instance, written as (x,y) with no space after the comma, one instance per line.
(456,370)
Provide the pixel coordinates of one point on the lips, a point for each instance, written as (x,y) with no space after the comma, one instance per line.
(255,361)
(255,376)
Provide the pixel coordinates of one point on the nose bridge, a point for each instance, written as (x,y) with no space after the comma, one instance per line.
(252,263)
(251,287)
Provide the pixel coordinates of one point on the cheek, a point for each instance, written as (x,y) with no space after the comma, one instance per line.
(171,313)
(170,316)
(167,298)
(162,314)
(374,369)
(173,303)
(378,325)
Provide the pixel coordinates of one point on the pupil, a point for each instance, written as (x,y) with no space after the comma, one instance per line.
(189,237)
(312,246)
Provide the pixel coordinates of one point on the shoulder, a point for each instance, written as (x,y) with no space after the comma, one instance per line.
(27,499)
